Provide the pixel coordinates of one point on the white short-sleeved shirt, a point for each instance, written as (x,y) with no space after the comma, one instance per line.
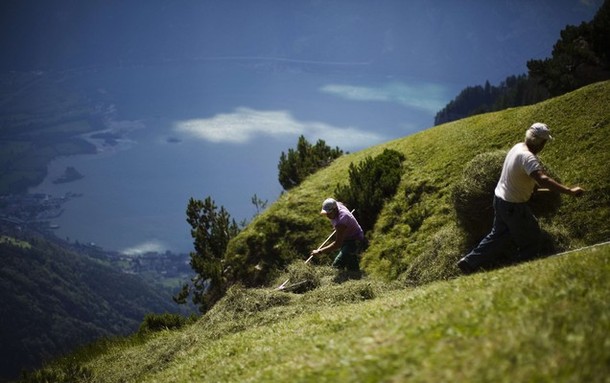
(515,184)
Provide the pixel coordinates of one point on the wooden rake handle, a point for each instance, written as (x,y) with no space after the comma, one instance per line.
(280,287)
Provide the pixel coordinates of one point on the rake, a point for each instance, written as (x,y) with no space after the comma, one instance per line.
(283,285)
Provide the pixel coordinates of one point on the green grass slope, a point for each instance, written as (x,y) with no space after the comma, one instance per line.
(416,238)
(542,321)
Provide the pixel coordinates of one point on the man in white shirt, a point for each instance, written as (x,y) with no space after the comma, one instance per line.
(513,219)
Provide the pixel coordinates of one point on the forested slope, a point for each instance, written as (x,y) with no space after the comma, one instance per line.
(54,300)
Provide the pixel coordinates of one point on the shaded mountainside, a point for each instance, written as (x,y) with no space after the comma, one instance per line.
(54,300)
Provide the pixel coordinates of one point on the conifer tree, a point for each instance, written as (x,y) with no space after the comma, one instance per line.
(211,229)
(306,159)
(371,183)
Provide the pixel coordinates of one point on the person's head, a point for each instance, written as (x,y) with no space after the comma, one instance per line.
(536,136)
(329,208)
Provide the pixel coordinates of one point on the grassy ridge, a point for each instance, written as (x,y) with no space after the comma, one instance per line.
(419,223)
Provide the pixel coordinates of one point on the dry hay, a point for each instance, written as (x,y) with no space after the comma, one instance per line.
(240,301)
(473,195)
(352,291)
(303,277)
(242,308)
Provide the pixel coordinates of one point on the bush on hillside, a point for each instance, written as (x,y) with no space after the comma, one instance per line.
(254,259)
(212,229)
(371,183)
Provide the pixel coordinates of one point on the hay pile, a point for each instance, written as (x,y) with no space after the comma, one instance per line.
(325,285)
(242,308)
(302,277)
(473,195)
(240,302)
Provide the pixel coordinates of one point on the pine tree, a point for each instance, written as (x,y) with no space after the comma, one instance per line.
(211,229)
(303,161)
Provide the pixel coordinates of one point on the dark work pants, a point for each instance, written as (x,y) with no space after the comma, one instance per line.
(512,221)
(348,256)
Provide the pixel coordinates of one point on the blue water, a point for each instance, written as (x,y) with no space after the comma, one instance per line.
(134,194)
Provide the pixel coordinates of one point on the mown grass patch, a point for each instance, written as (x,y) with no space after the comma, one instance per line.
(522,323)
(540,321)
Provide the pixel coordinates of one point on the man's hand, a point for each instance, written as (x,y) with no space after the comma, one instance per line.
(315,252)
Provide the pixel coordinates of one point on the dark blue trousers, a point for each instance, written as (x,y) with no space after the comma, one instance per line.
(512,222)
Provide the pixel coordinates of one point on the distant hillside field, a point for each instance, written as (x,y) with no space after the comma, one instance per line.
(413,317)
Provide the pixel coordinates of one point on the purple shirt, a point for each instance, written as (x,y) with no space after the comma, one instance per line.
(344,218)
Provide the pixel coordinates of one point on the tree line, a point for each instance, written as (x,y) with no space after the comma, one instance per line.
(580,57)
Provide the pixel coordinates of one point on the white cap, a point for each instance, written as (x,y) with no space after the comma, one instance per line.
(328,205)
(540,130)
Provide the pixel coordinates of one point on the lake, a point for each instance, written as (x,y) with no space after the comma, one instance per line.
(217,127)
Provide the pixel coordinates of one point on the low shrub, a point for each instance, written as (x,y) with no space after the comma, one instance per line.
(371,183)
(306,159)
(166,321)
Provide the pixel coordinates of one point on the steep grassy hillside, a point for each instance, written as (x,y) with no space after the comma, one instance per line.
(544,320)
(416,238)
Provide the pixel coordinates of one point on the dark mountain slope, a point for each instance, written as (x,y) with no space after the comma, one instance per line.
(54,300)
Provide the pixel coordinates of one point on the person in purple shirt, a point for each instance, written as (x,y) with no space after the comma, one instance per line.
(348,237)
